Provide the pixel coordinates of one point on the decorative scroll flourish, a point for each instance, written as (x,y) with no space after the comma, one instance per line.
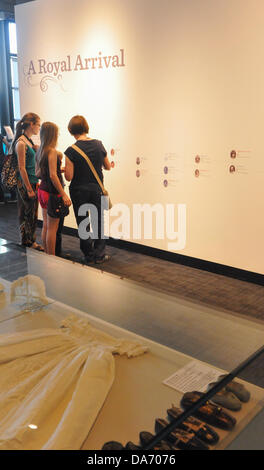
(43,83)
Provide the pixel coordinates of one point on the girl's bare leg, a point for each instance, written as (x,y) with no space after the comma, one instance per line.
(52,227)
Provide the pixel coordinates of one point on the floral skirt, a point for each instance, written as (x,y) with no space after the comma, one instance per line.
(27,214)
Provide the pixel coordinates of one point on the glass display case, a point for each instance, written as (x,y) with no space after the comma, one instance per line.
(153,351)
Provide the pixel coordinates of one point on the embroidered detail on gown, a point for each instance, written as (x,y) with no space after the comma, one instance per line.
(53,383)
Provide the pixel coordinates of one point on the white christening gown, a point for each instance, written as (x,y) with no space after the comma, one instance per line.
(53,382)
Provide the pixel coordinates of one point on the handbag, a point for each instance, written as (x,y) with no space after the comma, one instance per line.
(9,174)
(56,207)
(104,191)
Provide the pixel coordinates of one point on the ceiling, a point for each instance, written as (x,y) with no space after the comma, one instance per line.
(7,7)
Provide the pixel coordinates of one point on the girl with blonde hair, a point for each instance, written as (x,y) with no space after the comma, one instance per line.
(48,168)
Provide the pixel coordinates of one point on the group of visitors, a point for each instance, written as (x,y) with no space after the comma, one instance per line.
(44,163)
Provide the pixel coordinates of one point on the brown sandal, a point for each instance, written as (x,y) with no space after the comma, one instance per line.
(191,424)
(37,247)
(146,437)
(185,440)
(209,412)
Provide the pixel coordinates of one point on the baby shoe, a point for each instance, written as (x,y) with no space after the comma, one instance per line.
(237,389)
(191,424)
(209,412)
(112,445)
(226,399)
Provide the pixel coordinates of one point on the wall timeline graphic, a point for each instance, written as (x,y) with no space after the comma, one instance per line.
(155,86)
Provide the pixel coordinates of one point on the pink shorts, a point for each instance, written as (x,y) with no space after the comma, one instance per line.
(43,198)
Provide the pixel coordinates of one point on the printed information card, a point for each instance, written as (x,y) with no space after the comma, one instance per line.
(193,376)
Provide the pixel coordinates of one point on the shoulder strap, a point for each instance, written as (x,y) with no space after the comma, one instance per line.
(77,149)
(21,140)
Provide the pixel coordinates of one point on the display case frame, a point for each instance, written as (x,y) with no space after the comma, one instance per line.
(124,308)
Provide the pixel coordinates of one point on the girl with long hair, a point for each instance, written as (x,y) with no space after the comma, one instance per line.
(27,199)
(48,168)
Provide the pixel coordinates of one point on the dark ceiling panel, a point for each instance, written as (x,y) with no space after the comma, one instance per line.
(7,6)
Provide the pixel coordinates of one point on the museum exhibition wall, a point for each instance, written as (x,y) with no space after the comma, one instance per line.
(174,89)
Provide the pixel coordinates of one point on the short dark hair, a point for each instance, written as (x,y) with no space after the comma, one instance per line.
(78,125)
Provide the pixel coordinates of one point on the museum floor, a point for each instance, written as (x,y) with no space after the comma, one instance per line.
(239,299)
(232,295)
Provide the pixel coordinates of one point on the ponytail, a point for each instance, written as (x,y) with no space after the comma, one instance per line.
(22,126)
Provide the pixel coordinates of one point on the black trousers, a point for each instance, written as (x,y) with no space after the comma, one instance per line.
(93,248)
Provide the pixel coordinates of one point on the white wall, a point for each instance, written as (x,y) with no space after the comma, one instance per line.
(192,85)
